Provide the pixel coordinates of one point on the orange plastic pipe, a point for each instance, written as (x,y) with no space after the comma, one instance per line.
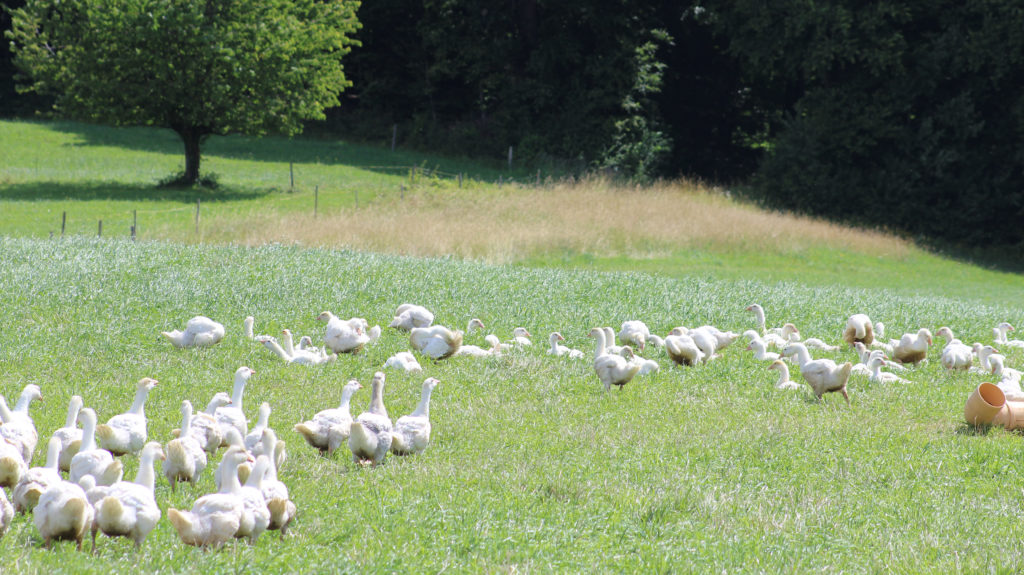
(987,405)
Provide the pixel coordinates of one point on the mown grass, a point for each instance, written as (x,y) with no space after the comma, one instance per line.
(532,467)
(678,229)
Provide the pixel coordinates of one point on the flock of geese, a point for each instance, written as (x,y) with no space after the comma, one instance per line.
(250,498)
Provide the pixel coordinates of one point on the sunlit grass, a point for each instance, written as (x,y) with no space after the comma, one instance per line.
(533,467)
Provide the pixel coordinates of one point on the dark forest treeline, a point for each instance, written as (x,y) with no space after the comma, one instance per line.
(900,114)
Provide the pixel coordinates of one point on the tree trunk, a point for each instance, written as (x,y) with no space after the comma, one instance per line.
(192,138)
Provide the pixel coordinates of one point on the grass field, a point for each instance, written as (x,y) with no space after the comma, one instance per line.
(533,468)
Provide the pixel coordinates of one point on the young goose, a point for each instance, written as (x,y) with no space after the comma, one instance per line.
(126,433)
(18,428)
(683,350)
(297,356)
(90,459)
(70,435)
(822,374)
(411,434)
(345,336)
(186,458)
(520,336)
(634,333)
(6,513)
(760,353)
(214,518)
(243,469)
(436,342)
(282,508)
(560,350)
(859,328)
(875,363)
(612,369)
(252,439)
(129,508)
(63,513)
(1000,335)
(370,434)
(913,348)
(405,361)
(409,316)
(983,352)
(783,382)
(200,331)
(36,480)
(256,515)
(318,431)
(205,428)
(955,355)
(12,465)
(231,416)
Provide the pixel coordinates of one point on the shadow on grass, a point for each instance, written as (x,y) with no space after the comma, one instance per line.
(968,430)
(85,191)
(301,150)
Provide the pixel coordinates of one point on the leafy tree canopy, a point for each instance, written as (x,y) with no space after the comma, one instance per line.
(198,67)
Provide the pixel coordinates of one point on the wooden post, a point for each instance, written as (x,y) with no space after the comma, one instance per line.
(500,181)
(402,188)
(394,136)
(63,222)
(510,157)
(291,176)
(316,199)
(133,233)
(135,222)
(197,216)
(100,234)
(538,178)
(460,180)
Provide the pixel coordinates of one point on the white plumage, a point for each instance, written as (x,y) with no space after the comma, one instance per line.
(126,432)
(370,435)
(200,331)
(330,423)
(411,434)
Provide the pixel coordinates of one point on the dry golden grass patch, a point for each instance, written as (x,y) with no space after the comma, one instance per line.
(593,216)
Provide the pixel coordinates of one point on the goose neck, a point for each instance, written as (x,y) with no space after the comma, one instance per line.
(377,400)
(146,476)
(5,412)
(423,409)
(237,391)
(23,402)
(73,408)
(138,405)
(601,343)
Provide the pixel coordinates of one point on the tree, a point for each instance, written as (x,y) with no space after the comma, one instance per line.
(198,67)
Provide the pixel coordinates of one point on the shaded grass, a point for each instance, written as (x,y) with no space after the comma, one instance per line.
(532,468)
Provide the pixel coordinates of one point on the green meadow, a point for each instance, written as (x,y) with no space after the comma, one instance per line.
(532,466)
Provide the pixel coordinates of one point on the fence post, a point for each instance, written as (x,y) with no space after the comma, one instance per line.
(291,176)
(63,222)
(316,199)
(460,180)
(402,188)
(510,157)
(100,234)
(135,223)
(197,216)
(538,178)
(500,181)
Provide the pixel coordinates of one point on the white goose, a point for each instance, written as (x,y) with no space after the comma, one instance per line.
(474,350)
(256,516)
(63,513)
(913,348)
(983,352)
(560,350)
(1000,334)
(760,352)
(130,509)
(297,355)
(90,459)
(875,363)
(346,336)
(683,350)
(612,369)
(609,342)
(405,361)
(783,382)
(215,518)
(521,337)
(70,436)
(647,366)
(408,316)
(859,328)
(205,428)
(126,432)
(1008,378)
(635,333)
(703,338)
(786,334)
(335,422)
(247,325)
(370,434)
(244,468)
(6,513)
(436,342)
(12,465)
(411,434)
(862,368)
(186,458)
(282,508)
(18,427)
(955,355)
(231,416)
(36,480)
(255,435)
(822,374)
(200,331)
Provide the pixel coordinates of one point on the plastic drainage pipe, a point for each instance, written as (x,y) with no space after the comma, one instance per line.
(987,405)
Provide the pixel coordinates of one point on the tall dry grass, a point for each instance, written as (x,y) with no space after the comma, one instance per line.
(593,216)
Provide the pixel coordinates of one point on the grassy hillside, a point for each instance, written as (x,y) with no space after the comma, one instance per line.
(533,467)
(678,229)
